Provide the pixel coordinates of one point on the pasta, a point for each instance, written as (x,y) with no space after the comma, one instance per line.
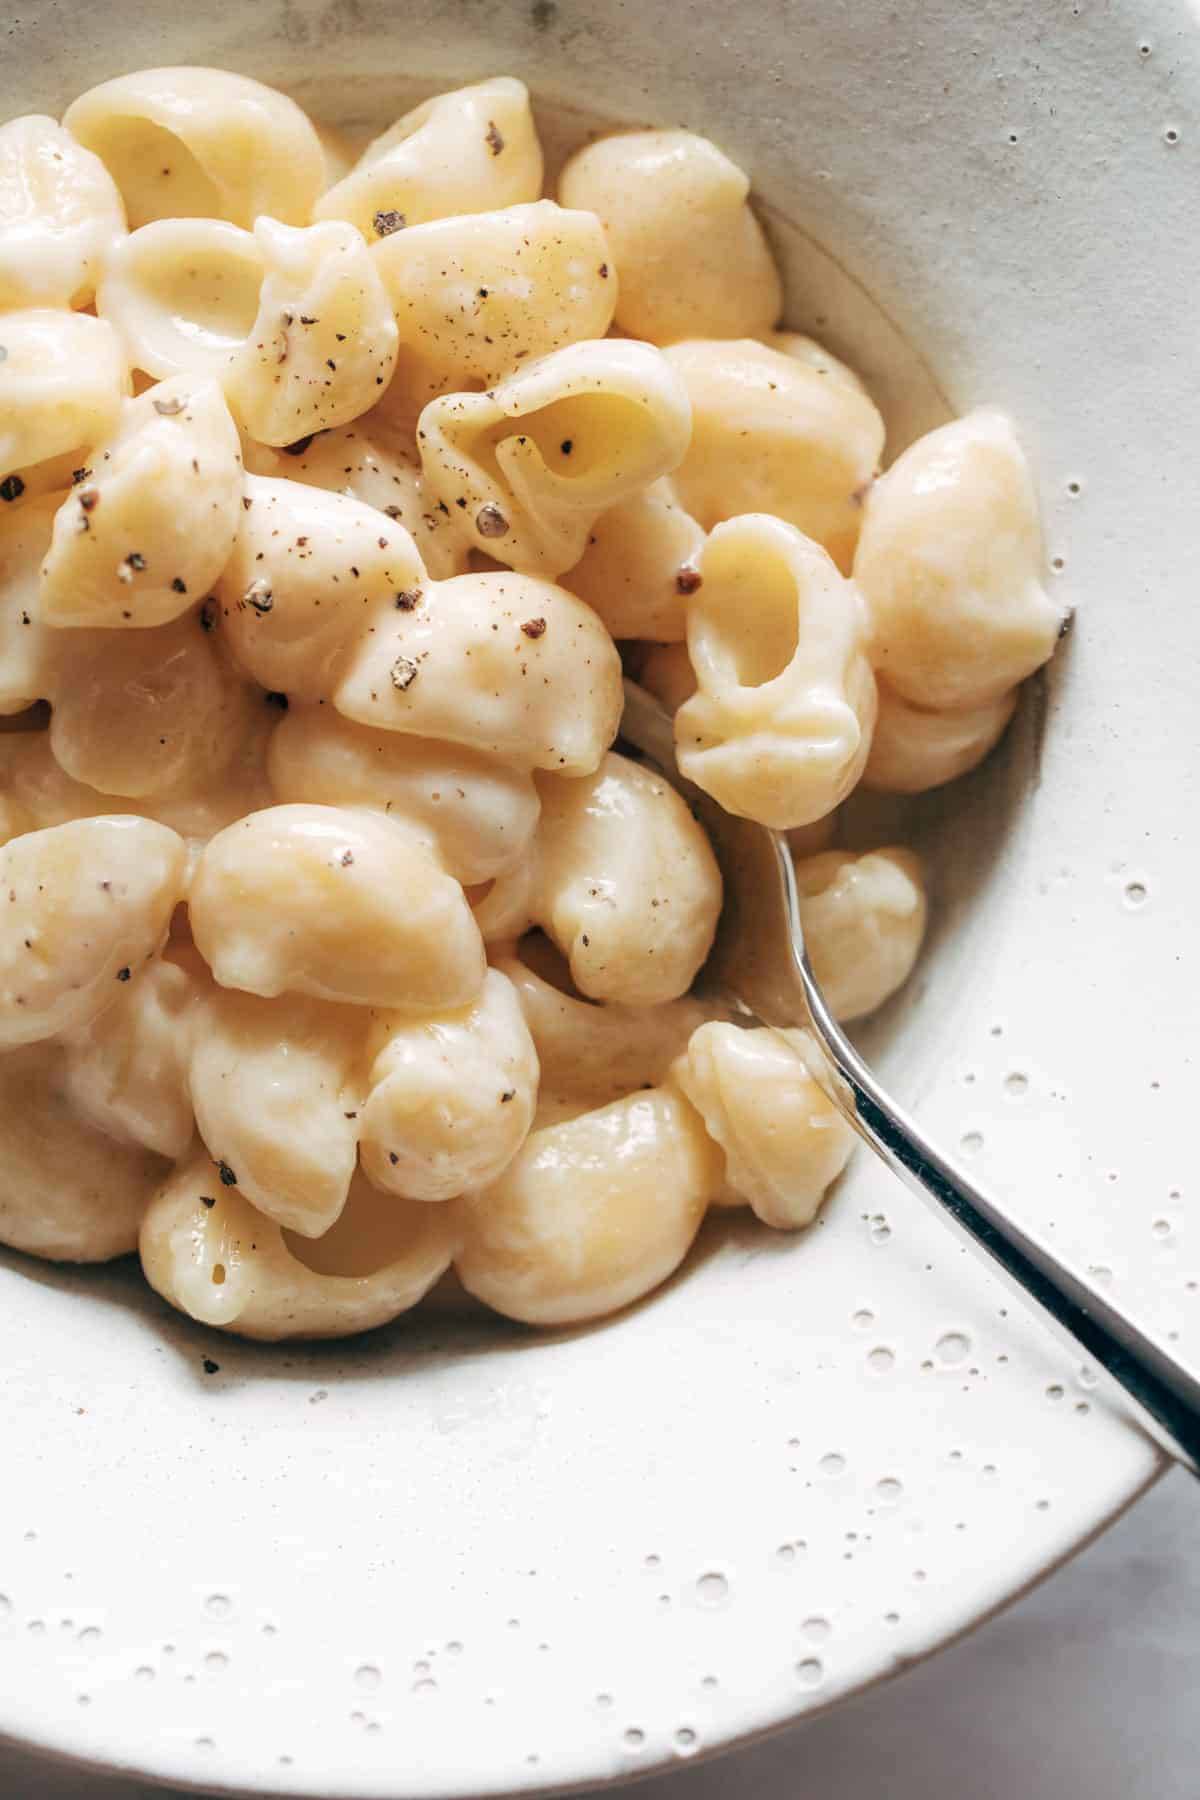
(193,143)
(950,568)
(345,961)
(784,1142)
(477,295)
(478,813)
(780,724)
(692,257)
(126,1071)
(309,573)
(68,1191)
(863,919)
(138,713)
(323,343)
(275,1085)
(371,461)
(592,1054)
(640,565)
(474,150)
(533,463)
(152,525)
(62,380)
(182,295)
(88,903)
(336,903)
(451,1096)
(592,1213)
(24,536)
(914,748)
(772,434)
(622,879)
(206,1250)
(60,215)
(807,350)
(506,664)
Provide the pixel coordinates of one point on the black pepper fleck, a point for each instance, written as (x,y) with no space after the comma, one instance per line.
(387,222)
(123,974)
(490,522)
(11,488)
(228,1178)
(534,628)
(493,138)
(688,580)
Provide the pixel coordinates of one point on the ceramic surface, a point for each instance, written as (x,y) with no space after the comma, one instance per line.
(460,1560)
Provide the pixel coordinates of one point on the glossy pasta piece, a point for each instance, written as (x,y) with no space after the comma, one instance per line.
(24,538)
(640,566)
(773,434)
(476,296)
(592,1054)
(780,725)
(950,566)
(784,1142)
(514,667)
(692,257)
(62,380)
(626,884)
(593,1212)
(478,813)
(126,1072)
(535,461)
(206,801)
(276,1086)
(667,673)
(67,1191)
(310,573)
(336,903)
(207,1251)
(451,1097)
(808,351)
(915,749)
(141,713)
(323,344)
(371,461)
(864,920)
(470,151)
(183,295)
(60,215)
(143,538)
(188,143)
(88,903)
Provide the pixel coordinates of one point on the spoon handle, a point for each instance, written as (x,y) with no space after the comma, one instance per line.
(1165,1393)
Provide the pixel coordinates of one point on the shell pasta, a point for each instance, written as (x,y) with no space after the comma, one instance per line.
(344,952)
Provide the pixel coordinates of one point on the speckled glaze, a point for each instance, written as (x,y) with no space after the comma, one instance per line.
(459,1560)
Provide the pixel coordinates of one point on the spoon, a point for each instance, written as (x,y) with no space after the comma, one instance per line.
(759,960)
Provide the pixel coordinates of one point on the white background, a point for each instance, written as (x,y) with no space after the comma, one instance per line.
(1087,1687)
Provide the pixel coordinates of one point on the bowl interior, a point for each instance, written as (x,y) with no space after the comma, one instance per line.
(456,1558)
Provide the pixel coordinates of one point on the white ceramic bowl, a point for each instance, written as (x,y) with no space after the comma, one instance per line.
(463,1560)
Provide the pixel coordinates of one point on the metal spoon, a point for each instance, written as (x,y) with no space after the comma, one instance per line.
(760,961)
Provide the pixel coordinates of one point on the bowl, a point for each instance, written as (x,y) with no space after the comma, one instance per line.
(460,1559)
